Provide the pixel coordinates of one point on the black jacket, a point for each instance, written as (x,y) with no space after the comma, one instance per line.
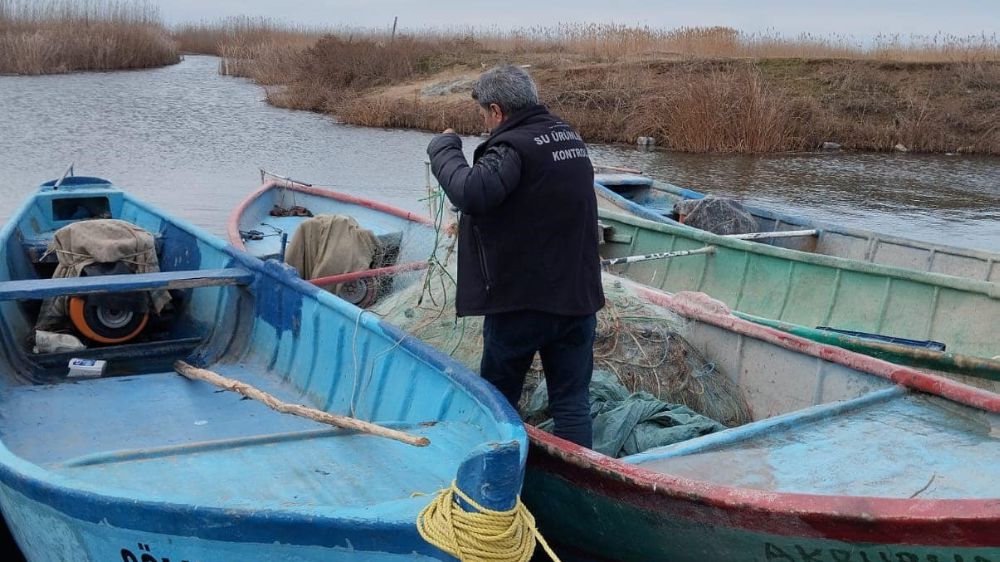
(528,230)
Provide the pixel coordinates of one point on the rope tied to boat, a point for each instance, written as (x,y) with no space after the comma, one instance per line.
(483,535)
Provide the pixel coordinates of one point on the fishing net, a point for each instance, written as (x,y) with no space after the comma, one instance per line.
(639,342)
(719,215)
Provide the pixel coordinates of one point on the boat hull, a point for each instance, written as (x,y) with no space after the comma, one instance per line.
(603,517)
(773,503)
(46,533)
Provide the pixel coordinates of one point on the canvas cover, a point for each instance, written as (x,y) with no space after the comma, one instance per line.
(331,245)
(84,243)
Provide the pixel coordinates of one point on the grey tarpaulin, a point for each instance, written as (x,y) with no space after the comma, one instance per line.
(718,215)
(626,424)
(84,243)
(330,245)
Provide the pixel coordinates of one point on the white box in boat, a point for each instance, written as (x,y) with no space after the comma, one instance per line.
(86,367)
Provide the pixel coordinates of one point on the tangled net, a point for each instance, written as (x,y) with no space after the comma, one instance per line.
(640,342)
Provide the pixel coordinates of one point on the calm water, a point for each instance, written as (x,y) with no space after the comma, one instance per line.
(191,141)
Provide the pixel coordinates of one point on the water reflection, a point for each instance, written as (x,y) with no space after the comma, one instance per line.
(191,141)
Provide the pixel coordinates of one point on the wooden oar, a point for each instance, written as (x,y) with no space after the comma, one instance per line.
(775,234)
(270,401)
(658,256)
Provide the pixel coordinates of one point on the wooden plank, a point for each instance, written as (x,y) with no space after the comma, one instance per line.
(45,288)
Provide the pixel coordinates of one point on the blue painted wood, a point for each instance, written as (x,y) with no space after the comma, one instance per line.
(115,468)
(45,288)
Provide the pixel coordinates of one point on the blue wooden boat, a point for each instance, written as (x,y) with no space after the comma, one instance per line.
(654,200)
(407,238)
(142,464)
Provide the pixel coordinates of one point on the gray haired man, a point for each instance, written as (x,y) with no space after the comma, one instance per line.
(527,246)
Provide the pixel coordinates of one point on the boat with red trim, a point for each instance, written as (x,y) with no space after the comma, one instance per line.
(263,223)
(849,458)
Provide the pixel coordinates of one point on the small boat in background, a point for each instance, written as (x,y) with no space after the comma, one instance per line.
(131,461)
(264,222)
(654,200)
(848,458)
(873,307)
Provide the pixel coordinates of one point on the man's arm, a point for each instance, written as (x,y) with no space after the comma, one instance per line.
(474,189)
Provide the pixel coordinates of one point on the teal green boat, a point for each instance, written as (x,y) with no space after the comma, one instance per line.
(652,199)
(801,292)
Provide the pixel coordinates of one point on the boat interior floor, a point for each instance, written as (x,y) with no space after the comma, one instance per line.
(891,443)
(160,436)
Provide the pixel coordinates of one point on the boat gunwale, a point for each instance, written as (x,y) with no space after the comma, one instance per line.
(97,504)
(835,517)
(233,226)
(987,288)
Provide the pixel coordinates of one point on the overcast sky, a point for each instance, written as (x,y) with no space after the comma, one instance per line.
(860,18)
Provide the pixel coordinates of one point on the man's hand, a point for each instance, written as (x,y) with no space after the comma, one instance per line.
(451,230)
(448,130)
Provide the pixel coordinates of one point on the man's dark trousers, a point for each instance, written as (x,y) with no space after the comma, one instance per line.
(566,344)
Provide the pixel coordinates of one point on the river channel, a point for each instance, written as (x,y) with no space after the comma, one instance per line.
(191,141)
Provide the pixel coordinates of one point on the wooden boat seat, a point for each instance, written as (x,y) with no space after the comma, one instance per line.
(45,288)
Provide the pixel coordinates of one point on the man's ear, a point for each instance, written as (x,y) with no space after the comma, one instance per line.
(495,111)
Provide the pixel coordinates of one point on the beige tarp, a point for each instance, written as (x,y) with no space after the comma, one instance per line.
(330,245)
(99,241)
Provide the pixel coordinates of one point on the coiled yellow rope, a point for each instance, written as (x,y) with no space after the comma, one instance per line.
(484,535)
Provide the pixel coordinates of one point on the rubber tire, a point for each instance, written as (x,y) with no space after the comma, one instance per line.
(369,296)
(86,322)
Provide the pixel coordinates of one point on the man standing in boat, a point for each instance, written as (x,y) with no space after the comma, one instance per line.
(527,246)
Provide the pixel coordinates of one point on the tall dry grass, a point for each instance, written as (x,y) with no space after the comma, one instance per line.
(615,42)
(256,48)
(43,37)
(692,89)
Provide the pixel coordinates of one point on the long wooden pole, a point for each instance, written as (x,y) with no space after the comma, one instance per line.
(270,401)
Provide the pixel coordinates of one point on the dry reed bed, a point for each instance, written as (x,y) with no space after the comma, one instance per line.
(65,36)
(692,90)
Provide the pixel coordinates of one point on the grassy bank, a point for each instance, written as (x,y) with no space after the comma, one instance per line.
(701,90)
(54,36)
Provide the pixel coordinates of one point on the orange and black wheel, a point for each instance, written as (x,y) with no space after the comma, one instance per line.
(106,324)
